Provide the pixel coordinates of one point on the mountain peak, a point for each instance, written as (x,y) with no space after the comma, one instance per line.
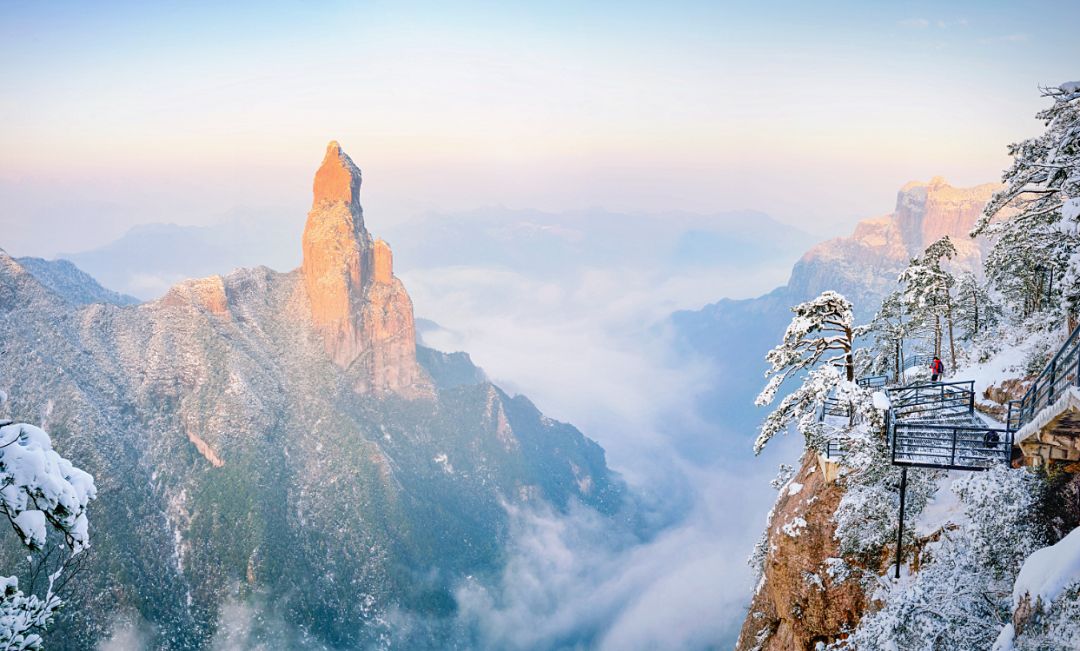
(361,310)
(338,178)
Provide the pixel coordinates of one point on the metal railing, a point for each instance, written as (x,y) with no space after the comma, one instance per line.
(834,451)
(951,446)
(1062,372)
(917,360)
(922,400)
(835,407)
(873,381)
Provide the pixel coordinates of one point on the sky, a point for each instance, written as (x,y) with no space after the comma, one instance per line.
(116,114)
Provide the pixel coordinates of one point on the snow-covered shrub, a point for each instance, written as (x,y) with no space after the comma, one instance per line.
(39,489)
(1056,628)
(1001,505)
(962,596)
(868,514)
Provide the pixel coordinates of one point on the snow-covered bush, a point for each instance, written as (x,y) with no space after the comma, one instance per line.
(39,490)
(868,514)
(1000,504)
(962,595)
(1056,628)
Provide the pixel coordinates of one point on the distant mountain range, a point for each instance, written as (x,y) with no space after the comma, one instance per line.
(152,257)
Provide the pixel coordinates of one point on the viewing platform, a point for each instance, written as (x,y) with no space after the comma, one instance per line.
(934,425)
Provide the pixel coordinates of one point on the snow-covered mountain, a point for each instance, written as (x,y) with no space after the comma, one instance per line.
(735,334)
(279,439)
(71,283)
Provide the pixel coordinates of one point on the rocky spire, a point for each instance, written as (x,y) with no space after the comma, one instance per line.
(361,310)
(338,179)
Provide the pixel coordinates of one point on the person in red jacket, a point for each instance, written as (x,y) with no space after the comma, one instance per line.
(937,369)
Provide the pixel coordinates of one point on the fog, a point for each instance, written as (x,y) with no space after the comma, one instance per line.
(571,310)
(594,349)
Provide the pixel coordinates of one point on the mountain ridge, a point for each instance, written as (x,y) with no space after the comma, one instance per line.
(239,456)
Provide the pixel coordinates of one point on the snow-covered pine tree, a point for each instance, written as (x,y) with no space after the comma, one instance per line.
(927,294)
(888,330)
(1035,219)
(975,310)
(41,491)
(819,346)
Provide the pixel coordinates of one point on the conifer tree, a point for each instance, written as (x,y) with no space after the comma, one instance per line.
(1035,219)
(889,330)
(819,346)
(927,293)
(975,310)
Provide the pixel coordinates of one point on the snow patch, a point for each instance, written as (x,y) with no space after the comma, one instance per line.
(1049,571)
(881,401)
(794,528)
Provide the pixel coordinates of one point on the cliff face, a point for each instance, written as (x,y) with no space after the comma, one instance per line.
(865,265)
(802,598)
(361,310)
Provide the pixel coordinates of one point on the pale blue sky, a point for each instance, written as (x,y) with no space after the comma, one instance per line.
(119,113)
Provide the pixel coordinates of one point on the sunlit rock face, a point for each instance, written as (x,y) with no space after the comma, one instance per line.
(361,310)
(800,601)
(865,265)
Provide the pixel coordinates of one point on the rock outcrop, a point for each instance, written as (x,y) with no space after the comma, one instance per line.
(805,595)
(361,310)
(865,265)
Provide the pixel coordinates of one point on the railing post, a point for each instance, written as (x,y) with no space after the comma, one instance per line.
(1053,381)
(900,525)
(952,455)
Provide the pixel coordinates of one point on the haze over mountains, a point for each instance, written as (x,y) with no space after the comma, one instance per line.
(151,257)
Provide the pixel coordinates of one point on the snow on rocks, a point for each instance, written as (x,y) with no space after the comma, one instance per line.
(794,528)
(1049,571)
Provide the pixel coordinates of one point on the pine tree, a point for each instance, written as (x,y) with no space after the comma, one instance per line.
(819,345)
(927,294)
(889,329)
(1035,219)
(975,310)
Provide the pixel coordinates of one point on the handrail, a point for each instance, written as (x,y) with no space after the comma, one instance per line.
(873,381)
(917,360)
(956,447)
(933,397)
(1059,374)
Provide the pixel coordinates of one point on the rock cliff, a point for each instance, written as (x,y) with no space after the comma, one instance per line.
(362,311)
(864,266)
(804,595)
